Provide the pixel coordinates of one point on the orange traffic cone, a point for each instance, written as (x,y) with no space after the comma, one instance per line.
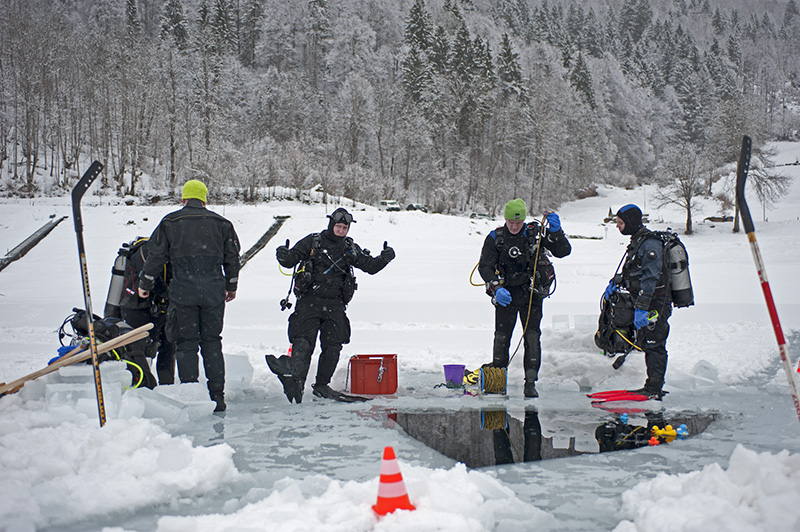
(392,494)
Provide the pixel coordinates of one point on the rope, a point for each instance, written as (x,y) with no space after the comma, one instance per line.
(494,420)
(533,280)
(473,273)
(627,340)
(135,365)
(494,379)
(284,273)
(141,373)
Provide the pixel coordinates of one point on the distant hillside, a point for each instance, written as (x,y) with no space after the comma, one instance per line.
(457,104)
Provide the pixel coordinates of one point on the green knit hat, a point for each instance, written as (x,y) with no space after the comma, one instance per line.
(194,189)
(516,210)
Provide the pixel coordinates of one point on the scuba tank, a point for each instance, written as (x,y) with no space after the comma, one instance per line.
(677,263)
(118,274)
(117,283)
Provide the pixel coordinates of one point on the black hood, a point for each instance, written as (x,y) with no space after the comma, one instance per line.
(339,216)
(632,216)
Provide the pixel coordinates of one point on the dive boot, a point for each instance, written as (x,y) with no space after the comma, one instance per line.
(220,400)
(655,395)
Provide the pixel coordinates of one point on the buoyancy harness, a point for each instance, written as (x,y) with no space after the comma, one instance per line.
(303,277)
(544,279)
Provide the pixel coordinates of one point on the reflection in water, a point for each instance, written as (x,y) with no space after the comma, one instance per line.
(532,441)
(219,430)
(488,437)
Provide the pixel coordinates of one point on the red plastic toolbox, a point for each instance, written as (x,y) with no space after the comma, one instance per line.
(373,374)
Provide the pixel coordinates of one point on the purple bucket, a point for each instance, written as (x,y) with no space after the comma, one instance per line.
(454,374)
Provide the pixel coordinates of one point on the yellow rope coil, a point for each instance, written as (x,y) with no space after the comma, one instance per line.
(494,380)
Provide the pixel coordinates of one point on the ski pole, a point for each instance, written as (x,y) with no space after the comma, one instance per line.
(747,221)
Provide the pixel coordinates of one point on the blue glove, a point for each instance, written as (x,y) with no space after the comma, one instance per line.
(553,222)
(63,350)
(640,318)
(610,289)
(502,296)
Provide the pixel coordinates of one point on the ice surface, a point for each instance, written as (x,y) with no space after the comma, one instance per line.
(165,462)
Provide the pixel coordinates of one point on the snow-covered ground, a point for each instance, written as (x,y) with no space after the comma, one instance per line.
(164,462)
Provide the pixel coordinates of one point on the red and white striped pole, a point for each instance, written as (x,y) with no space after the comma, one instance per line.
(747,221)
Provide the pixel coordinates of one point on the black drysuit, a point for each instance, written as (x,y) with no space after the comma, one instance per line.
(511,264)
(203,251)
(644,277)
(323,290)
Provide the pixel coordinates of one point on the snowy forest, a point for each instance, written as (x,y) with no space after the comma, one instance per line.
(458,104)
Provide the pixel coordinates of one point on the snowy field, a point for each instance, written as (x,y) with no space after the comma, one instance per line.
(165,463)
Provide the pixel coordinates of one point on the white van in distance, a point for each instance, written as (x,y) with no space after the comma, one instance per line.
(388,205)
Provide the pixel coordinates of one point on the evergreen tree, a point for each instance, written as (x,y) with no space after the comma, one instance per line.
(508,70)
(132,20)
(419,31)
(463,58)
(593,41)
(484,66)
(714,49)
(734,20)
(718,22)
(581,79)
(416,75)
(540,23)
(250,31)
(768,26)
(439,53)
(318,34)
(635,16)
(516,15)
(174,25)
(224,27)
(574,24)
(694,96)
(791,14)
(734,51)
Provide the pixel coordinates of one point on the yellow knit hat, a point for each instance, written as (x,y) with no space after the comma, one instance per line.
(194,189)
